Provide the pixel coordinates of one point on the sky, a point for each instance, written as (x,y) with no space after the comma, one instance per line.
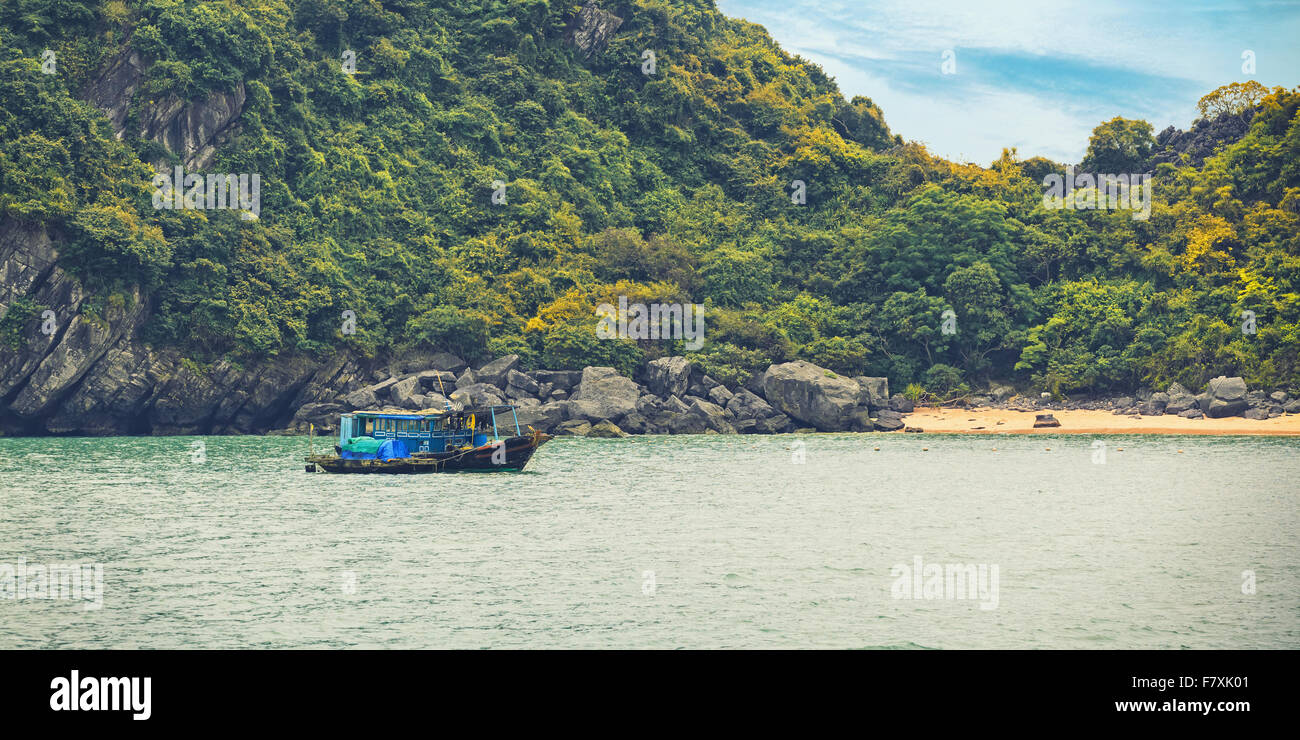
(1036,75)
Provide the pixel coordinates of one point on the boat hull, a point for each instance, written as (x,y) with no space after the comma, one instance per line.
(510,456)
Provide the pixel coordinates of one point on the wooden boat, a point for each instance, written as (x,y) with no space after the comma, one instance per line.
(430,442)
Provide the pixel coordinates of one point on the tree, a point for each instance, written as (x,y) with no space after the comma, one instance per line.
(1234,99)
(1119,146)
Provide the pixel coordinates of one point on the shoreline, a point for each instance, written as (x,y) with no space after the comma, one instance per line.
(986,421)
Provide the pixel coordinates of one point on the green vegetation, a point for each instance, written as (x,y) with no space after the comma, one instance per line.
(377,198)
(14,321)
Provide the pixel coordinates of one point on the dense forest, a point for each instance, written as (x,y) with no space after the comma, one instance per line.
(377,198)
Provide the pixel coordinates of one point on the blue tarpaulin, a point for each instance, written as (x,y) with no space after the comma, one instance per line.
(392,448)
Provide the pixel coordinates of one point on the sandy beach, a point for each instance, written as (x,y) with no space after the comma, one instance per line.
(999,421)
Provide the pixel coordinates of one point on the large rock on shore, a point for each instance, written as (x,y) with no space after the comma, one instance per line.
(746,405)
(1227,397)
(403,392)
(1045,421)
(874,392)
(1178,403)
(668,376)
(713,416)
(563,380)
(902,404)
(448,362)
(543,417)
(478,394)
(605,394)
(606,428)
(888,421)
(497,371)
(811,394)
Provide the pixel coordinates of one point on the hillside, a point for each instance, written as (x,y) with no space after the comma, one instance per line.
(378,238)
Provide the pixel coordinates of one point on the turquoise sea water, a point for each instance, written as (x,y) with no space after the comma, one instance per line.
(663,542)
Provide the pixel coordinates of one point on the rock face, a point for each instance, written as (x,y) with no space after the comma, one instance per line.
(1155,405)
(591,29)
(113,92)
(403,392)
(563,380)
(811,394)
(543,417)
(192,130)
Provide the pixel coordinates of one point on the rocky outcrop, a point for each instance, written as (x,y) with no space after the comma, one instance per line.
(192,130)
(115,88)
(62,347)
(591,29)
(811,394)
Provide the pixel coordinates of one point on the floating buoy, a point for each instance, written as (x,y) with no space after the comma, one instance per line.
(925,449)
(877,449)
(1049,449)
(1180,452)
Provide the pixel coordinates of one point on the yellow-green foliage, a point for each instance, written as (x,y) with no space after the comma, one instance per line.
(377,198)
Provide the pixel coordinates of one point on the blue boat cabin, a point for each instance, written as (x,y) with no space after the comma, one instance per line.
(441,432)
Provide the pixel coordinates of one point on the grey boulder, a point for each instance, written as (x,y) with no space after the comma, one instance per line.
(668,376)
(609,394)
(811,394)
(496,371)
(874,392)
